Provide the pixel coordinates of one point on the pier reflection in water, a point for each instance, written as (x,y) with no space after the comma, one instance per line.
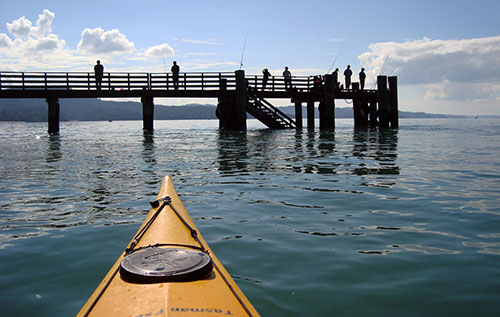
(149,154)
(360,152)
(54,153)
(233,152)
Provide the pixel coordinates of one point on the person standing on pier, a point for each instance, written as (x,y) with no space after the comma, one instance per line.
(288,78)
(266,73)
(98,73)
(362,77)
(348,74)
(336,78)
(175,74)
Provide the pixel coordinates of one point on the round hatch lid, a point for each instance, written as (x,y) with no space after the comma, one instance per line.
(155,265)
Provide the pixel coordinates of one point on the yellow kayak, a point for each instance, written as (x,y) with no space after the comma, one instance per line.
(168,269)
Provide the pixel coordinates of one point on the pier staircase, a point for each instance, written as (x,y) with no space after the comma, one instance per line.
(266,113)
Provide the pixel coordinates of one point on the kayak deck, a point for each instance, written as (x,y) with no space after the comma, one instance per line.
(168,226)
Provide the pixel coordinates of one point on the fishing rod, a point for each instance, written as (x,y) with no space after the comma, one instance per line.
(383,65)
(381,71)
(336,58)
(243,53)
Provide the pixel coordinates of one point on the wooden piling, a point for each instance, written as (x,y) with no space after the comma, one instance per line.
(310,114)
(298,114)
(327,110)
(393,97)
(240,113)
(224,109)
(221,102)
(231,107)
(53,115)
(356,108)
(147,113)
(383,101)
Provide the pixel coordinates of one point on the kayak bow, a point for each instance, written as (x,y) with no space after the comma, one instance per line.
(167,269)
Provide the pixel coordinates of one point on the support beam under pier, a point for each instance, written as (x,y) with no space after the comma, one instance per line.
(147,113)
(383,101)
(298,114)
(327,111)
(393,98)
(53,115)
(231,108)
(240,112)
(360,110)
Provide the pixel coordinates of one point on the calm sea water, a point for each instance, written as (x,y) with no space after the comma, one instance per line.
(309,223)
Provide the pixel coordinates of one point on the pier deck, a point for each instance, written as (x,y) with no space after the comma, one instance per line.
(237,94)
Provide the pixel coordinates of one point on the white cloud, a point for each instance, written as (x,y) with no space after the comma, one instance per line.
(50,42)
(201,54)
(208,65)
(36,48)
(5,40)
(202,42)
(456,107)
(448,69)
(30,41)
(44,24)
(336,39)
(23,28)
(97,41)
(20,27)
(463,91)
(163,50)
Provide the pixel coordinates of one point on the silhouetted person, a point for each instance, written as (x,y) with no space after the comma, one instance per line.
(98,73)
(336,78)
(288,78)
(175,74)
(348,74)
(265,78)
(362,77)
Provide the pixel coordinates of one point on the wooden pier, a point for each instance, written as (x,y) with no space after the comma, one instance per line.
(237,94)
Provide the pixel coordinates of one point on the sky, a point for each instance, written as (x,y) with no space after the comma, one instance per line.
(446,54)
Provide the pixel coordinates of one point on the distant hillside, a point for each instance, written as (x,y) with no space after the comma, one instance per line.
(346,112)
(35,110)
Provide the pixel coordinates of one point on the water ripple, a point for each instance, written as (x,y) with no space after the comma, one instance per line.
(414,229)
(385,216)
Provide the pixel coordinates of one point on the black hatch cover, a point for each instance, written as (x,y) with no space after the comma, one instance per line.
(156,265)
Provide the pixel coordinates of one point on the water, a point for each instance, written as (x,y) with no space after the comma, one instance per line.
(309,223)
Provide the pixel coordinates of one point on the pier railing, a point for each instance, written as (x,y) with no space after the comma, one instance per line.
(277,83)
(190,81)
(114,81)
